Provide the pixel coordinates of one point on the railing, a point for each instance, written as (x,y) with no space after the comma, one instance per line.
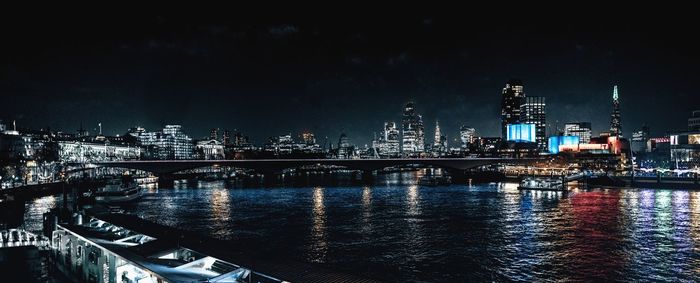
(21,238)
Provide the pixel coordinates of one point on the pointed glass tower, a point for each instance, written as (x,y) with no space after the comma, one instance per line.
(615,119)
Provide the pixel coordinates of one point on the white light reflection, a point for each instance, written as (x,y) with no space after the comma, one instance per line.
(366,202)
(319,244)
(412,200)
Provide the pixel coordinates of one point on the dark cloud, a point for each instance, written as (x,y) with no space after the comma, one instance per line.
(283,30)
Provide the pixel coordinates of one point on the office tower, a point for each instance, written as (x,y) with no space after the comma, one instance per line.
(466,136)
(615,118)
(437,134)
(413,136)
(391,139)
(512,98)
(580,129)
(170,143)
(533,111)
(440,142)
(226,138)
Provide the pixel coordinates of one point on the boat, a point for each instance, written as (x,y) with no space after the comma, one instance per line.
(119,190)
(432,181)
(147,180)
(544,184)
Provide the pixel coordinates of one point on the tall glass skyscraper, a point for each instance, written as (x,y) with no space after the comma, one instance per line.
(392,146)
(511,99)
(413,132)
(615,118)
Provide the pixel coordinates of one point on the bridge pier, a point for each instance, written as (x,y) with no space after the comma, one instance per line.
(458,176)
(270,178)
(367,176)
(166,181)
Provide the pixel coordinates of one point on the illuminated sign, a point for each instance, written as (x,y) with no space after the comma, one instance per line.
(674,140)
(521,132)
(556,142)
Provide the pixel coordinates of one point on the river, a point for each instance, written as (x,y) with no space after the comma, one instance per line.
(396,230)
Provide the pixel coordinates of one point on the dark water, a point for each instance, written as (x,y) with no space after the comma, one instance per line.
(396,231)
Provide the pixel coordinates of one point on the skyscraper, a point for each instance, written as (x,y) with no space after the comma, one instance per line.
(512,98)
(440,143)
(615,119)
(226,138)
(533,111)
(413,134)
(437,134)
(580,129)
(466,136)
(391,139)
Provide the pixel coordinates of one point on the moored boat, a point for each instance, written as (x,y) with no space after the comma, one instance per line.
(435,181)
(119,190)
(545,184)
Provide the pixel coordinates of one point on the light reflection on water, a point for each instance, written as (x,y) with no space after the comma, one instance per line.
(319,246)
(399,231)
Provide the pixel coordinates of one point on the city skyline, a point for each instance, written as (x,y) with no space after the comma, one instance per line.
(331,76)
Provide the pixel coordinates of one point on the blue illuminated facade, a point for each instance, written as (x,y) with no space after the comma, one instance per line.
(521,132)
(556,141)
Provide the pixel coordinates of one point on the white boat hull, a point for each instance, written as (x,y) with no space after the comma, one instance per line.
(119,196)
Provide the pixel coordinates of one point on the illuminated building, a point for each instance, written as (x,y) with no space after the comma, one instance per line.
(345,150)
(685,149)
(388,145)
(170,143)
(280,145)
(533,111)
(639,139)
(466,136)
(615,118)
(437,134)
(210,149)
(521,133)
(440,142)
(286,145)
(487,144)
(82,132)
(413,132)
(512,98)
(226,138)
(694,121)
(214,134)
(555,143)
(391,137)
(16,147)
(78,151)
(308,138)
(580,129)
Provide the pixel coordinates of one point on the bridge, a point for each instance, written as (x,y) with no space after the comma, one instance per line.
(161,167)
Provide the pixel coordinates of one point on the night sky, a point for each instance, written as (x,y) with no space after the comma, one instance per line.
(275,74)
